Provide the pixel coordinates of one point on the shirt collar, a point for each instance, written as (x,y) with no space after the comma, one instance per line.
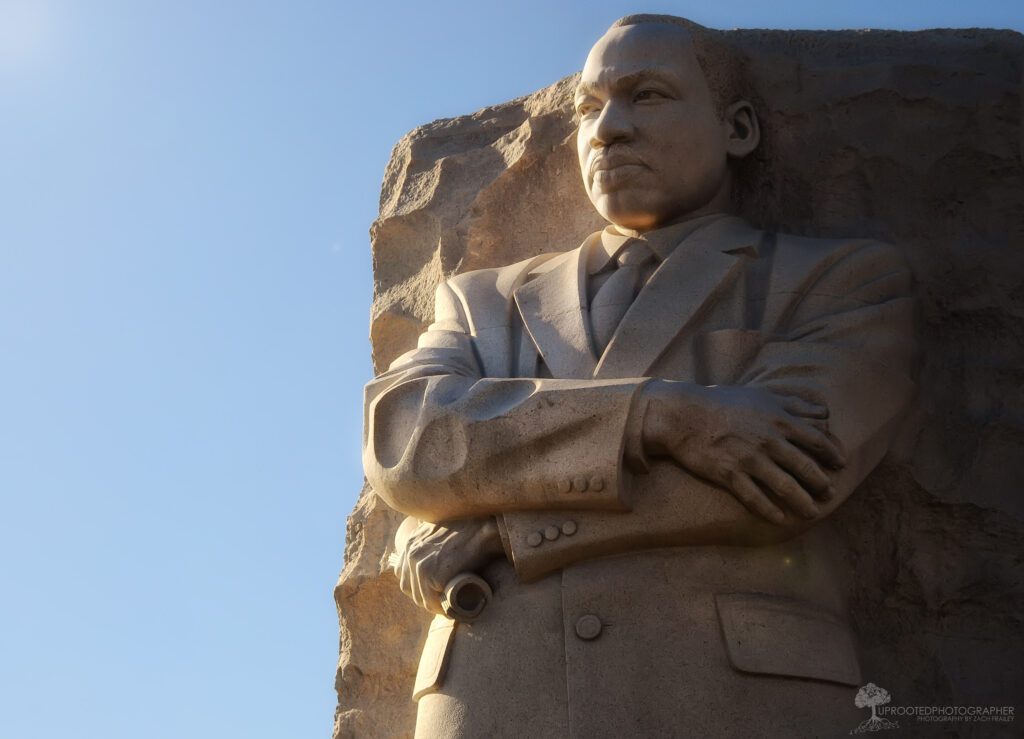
(662,241)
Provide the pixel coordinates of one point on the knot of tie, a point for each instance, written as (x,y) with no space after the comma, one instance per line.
(635,254)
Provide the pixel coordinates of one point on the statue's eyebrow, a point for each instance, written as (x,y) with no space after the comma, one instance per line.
(603,84)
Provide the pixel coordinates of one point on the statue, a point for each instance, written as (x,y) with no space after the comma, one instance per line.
(637,444)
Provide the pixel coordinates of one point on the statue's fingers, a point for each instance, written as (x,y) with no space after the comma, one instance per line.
(755,500)
(409,581)
(428,595)
(405,580)
(799,464)
(436,569)
(817,423)
(804,408)
(417,584)
(824,447)
(782,484)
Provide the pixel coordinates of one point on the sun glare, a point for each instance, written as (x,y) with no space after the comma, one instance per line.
(26,32)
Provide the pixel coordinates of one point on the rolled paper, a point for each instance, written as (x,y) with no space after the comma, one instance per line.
(465,597)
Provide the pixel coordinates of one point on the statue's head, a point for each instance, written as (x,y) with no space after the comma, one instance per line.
(661,119)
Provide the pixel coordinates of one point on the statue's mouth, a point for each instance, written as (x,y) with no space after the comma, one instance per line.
(609,173)
(612,162)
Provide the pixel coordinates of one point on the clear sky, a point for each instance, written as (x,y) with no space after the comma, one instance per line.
(185,193)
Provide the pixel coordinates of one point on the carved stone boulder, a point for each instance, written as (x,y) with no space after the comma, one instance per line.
(912,138)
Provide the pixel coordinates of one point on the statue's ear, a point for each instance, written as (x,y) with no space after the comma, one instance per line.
(744,132)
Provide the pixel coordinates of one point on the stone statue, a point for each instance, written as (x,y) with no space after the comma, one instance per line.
(638,443)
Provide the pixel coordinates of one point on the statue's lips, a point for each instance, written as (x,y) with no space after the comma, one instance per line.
(610,163)
(611,173)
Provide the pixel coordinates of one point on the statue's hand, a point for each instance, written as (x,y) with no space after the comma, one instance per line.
(428,555)
(765,449)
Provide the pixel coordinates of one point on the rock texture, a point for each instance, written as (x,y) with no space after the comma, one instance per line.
(915,138)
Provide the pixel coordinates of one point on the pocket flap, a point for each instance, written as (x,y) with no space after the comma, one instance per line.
(434,659)
(781,636)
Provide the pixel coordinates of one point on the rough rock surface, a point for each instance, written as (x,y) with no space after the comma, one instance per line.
(915,138)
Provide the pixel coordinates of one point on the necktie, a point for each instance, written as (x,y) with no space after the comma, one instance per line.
(614,297)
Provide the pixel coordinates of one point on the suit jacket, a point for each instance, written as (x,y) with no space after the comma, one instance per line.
(641,601)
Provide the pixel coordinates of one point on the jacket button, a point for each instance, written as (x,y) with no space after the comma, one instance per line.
(597,484)
(579,484)
(534,539)
(588,627)
(564,486)
(569,528)
(551,533)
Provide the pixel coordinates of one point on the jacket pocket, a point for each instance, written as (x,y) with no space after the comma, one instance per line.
(434,659)
(772,635)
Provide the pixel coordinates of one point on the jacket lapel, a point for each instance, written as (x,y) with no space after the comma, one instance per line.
(695,273)
(554,311)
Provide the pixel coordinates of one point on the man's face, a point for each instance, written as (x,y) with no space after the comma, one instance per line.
(651,144)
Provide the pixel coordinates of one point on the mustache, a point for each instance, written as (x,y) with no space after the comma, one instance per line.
(613,157)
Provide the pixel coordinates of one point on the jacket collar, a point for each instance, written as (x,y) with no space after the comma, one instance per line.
(661,242)
(554,304)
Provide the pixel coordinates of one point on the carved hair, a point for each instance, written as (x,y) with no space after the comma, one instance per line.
(724,65)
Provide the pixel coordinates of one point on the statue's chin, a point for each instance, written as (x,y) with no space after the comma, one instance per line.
(625,212)
(631,210)
(643,209)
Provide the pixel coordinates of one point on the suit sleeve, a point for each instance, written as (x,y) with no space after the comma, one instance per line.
(442,442)
(845,341)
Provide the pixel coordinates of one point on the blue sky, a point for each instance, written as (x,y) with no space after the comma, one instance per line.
(185,193)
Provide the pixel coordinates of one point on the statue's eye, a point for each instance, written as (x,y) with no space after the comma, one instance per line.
(585,109)
(646,96)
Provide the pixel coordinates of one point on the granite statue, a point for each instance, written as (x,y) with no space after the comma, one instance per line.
(637,444)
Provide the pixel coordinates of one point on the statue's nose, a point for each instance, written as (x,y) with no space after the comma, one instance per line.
(613,126)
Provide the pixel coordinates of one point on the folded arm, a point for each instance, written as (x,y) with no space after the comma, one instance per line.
(442,442)
(847,345)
